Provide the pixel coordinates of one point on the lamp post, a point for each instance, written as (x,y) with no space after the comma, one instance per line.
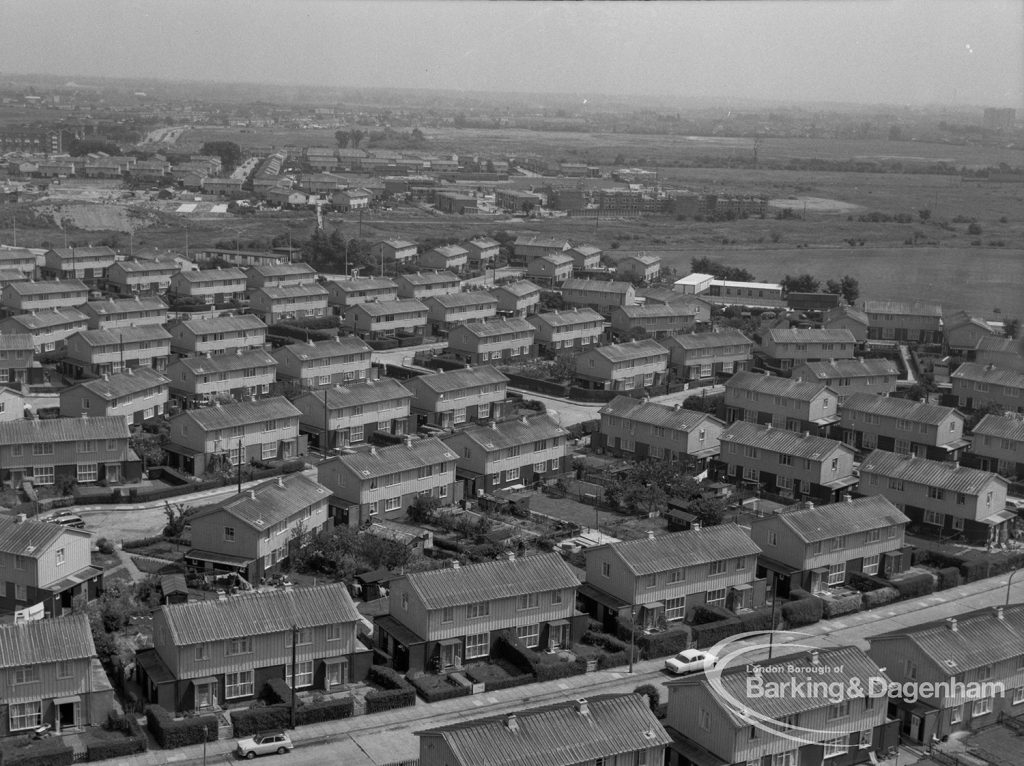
(206,736)
(771,624)
(1009,582)
(632,634)
(295,641)
(239,465)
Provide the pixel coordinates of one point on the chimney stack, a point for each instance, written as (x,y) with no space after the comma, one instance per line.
(650,534)
(280,481)
(511,722)
(455,564)
(815,659)
(20,518)
(951,624)
(252,494)
(999,613)
(582,707)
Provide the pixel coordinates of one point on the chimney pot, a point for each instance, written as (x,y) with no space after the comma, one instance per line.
(280,481)
(999,613)
(951,622)
(650,534)
(511,723)
(252,494)
(582,707)
(815,658)
(20,518)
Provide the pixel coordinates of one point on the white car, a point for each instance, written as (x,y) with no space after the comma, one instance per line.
(264,744)
(689,661)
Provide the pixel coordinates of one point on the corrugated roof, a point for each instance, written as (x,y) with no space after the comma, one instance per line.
(1001,427)
(841,312)
(213,275)
(383,308)
(271,502)
(38,642)
(539,241)
(566,318)
(962,319)
(397,244)
(45,288)
(811,336)
(850,368)
(585,250)
(456,380)
(309,290)
(125,305)
(773,385)
(658,310)
(779,440)
(63,430)
(484,243)
(676,549)
(452,300)
(910,308)
(932,473)
(451,251)
(621,352)
(16,341)
(223,324)
(557,735)
(325,349)
(895,407)
(646,260)
(282,270)
(40,320)
(259,613)
(364,283)
(367,392)
(596,285)
(71,253)
(133,334)
(511,433)
(823,522)
(492,580)
(401,457)
(522,288)
(726,337)
(655,413)
(144,267)
(27,538)
(1000,344)
(558,259)
(980,638)
(241,413)
(495,327)
(124,383)
(982,373)
(422,279)
(206,365)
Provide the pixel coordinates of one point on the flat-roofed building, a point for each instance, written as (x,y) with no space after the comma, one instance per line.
(723,292)
(318,364)
(219,335)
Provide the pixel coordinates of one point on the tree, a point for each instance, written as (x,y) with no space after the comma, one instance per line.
(342,137)
(1011,327)
(804,283)
(177,516)
(229,152)
(924,215)
(149,447)
(848,287)
(423,509)
(705,265)
(651,692)
(708,510)
(357,137)
(82,146)
(417,136)
(974,228)
(702,403)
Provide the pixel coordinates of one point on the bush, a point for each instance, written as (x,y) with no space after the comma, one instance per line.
(396,693)
(915,585)
(46,752)
(512,650)
(835,607)
(276,691)
(327,710)
(880,597)
(949,577)
(261,718)
(651,692)
(711,633)
(142,542)
(549,671)
(105,546)
(866,583)
(704,614)
(437,688)
(665,643)
(803,611)
(171,734)
(135,740)
(759,619)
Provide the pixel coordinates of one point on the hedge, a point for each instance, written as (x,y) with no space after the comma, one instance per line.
(327,710)
(262,718)
(135,740)
(276,691)
(838,606)
(979,569)
(803,611)
(616,651)
(397,692)
(711,633)
(45,752)
(433,692)
(549,671)
(880,597)
(949,577)
(493,685)
(705,614)
(142,542)
(171,734)
(510,649)
(760,619)
(866,583)
(664,643)
(916,585)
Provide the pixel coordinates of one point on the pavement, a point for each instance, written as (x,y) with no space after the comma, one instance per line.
(388,737)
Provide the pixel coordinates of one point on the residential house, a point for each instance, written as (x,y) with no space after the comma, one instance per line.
(983,649)
(705,357)
(286,197)
(14,404)
(962,331)
(557,332)
(585,257)
(49,328)
(907,321)
(16,351)
(106,352)
(445,258)
(658,321)
(782,402)
(136,394)
(491,340)
(423,285)
(396,251)
(603,297)
(639,267)
(209,286)
(643,430)
(517,202)
(65,450)
(238,257)
(517,299)
(813,301)
(210,654)
(88,264)
(446,311)
(526,248)
(815,548)
(256,532)
(215,438)
(454,398)
(904,426)
(217,335)
(1005,353)
(316,364)
(353,413)
(28,297)
(511,454)
(639,364)
(550,270)
(279,275)
(223,187)
(347,200)
(482,252)
(386,319)
(976,386)
(997,443)
(11,275)
(607,730)
(52,677)
(851,376)
(443,618)
(786,349)
(787,463)
(383,482)
(847,318)
(722,722)
(198,380)
(46,566)
(946,498)
(116,313)
(723,292)
(663,579)
(140,277)
(345,292)
(19,258)
(276,304)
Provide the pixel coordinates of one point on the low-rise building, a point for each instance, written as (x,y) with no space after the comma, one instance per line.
(639,267)
(136,394)
(708,356)
(140,277)
(1005,353)
(16,351)
(560,331)
(482,252)
(345,292)
(219,335)
(115,313)
(27,297)
(963,331)
(20,258)
(785,349)
(658,321)
(526,248)
(280,275)
(908,321)
(382,320)
(585,257)
(353,413)
(642,430)
(423,285)
(603,297)
(49,328)
(622,367)
(782,402)
(851,376)
(446,311)
(209,286)
(550,270)
(108,352)
(517,299)
(723,292)
(88,264)
(847,318)
(457,397)
(198,380)
(275,304)
(904,426)
(397,251)
(491,341)
(451,258)
(317,364)
(997,443)
(241,257)
(976,386)
(787,463)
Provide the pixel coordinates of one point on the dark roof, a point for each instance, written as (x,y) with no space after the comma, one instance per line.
(850,368)
(272,501)
(496,327)
(63,430)
(118,335)
(779,440)
(42,641)
(400,457)
(124,383)
(942,474)
(16,341)
(521,288)
(823,522)
(354,394)
(27,538)
(725,337)
(989,374)
(498,436)
(772,385)
(655,413)
(895,407)
(240,413)
(676,549)
(1002,427)
(456,380)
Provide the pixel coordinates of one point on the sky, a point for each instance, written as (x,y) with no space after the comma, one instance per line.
(956,52)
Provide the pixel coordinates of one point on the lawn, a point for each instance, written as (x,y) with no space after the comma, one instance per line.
(105,560)
(488,673)
(161,549)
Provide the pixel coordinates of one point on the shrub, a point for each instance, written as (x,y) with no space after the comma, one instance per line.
(665,643)
(135,740)
(936,559)
(651,692)
(275,691)
(803,611)
(171,734)
(47,752)
(549,671)
(915,585)
(512,650)
(949,577)
(261,718)
(711,633)
(105,546)
(866,583)
(327,710)
(437,688)
(704,614)
(605,641)
(835,607)
(760,619)
(880,597)
(396,693)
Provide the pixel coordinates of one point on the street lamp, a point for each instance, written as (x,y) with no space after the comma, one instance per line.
(632,634)
(1009,582)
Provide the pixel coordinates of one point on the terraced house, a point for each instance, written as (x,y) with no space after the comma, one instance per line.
(947,498)
(89,264)
(517,299)
(903,426)
(353,413)
(665,578)
(342,293)
(511,454)
(383,483)
(423,285)
(396,251)
(140,277)
(48,329)
(210,286)
(852,376)
(550,270)
(997,443)
(493,340)
(659,320)
(136,394)
(16,350)
(785,349)
(29,297)
(197,380)
(255,532)
(454,398)
(706,356)
(108,352)
(976,386)
(643,429)
(622,367)
(847,318)
(221,436)
(603,297)
(219,335)
(213,654)
(451,258)
(910,321)
(446,311)
(783,402)
(275,304)
(85,450)
(316,364)
(441,619)
(815,548)
(559,331)
(787,463)
(386,319)
(280,275)
(125,312)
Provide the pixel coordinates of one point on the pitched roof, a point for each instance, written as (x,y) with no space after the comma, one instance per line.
(456,380)
(43,641)
(124,383)
(779,440)
(597,285)
(655,413)
(474,298)
(397,244)
(1002,427)
(451,251)
(232,323)
(773,385)
(134,334)
(558,259)
(240,413)
(621,352)
(539,241)
(422,279)
(895,407)
(851,368)
(70,253)
(557,735)
(259,613)
(206,365)
(658,310)
(566,318)
(484,242)
(401,457)
(676,549)
(983,373)
(724,337)
(309,290)
(16,341)
(364,283)
(911,308)
(324,349)
(212,275)
(492,580)
(495,327)
(355,394)
(850,312)
(383,308)
(124,305)
(811,336)
(963,319)
(281,269)
(45,288)
(511,433)
(271,502)
(521,288)
(646,260)
(999,343)
(63,430)
(942,474)
(40,320)
(823,522)
(144,267)
(27,538)
(585,250)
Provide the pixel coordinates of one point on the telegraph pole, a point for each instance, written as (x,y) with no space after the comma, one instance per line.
(239,465)
(295,641)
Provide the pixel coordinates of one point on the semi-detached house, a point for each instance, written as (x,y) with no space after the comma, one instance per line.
(560,331)
(386,319)
(997,443)
(622,367)
(353,413)
(219,335)
(316,364)
(342,293)
(214,286)
(28,297)
(976,386)
(108,352)
(852,376)
(786,403)
(423,285)
(905,426)
(49,329)
(140,277)
(446,311)
(198,380)
(279,275)
(658,320)
(913,321)
(125,312)
(275,304)
(786,349)
(517,299)
(491,340)
(137,395)
(603,297)
(708,356)
(454,398)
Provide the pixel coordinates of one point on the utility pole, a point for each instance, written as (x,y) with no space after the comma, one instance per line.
(327,433)
(771,623)
(295,641)
(1009,582)
(632,634)
(239,465)
(120,345)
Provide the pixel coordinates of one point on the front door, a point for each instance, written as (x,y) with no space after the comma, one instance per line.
(815,582)
(337,674)
(206,694)
(450,656)
(557,636)
(67,715)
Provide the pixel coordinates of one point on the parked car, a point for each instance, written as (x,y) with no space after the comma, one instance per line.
(689,661)
(264,744)
(68,520)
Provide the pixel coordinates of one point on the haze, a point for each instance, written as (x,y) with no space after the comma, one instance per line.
(956,52)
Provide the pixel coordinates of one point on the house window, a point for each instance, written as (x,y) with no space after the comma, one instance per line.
(27,715)
(741,563)
(717,568)
(447,614)
(982,707)
(871,564)
(956,714)
(873,536)
(704,720)
(61,554)
(677,575)
(21,593)
(269,451)
(528,601)
(27,674)
(392,503)
(715,597)
(355,434)
(305,636)
(896,484)
(240,646)
(442,491)
(837,573)
(933,517)
(229,534)
(478,645)
(833,747)
(838,710)
(1018,695)
(784,482)
(42,449)
(606,569)
(675,608)
(838,543)
(785,459)
(238,684)
(65,669)
(303,674)
(529,634)
(43,475)
(512,474)
(201,652)
(460,415)
(478,610)
(751,474)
